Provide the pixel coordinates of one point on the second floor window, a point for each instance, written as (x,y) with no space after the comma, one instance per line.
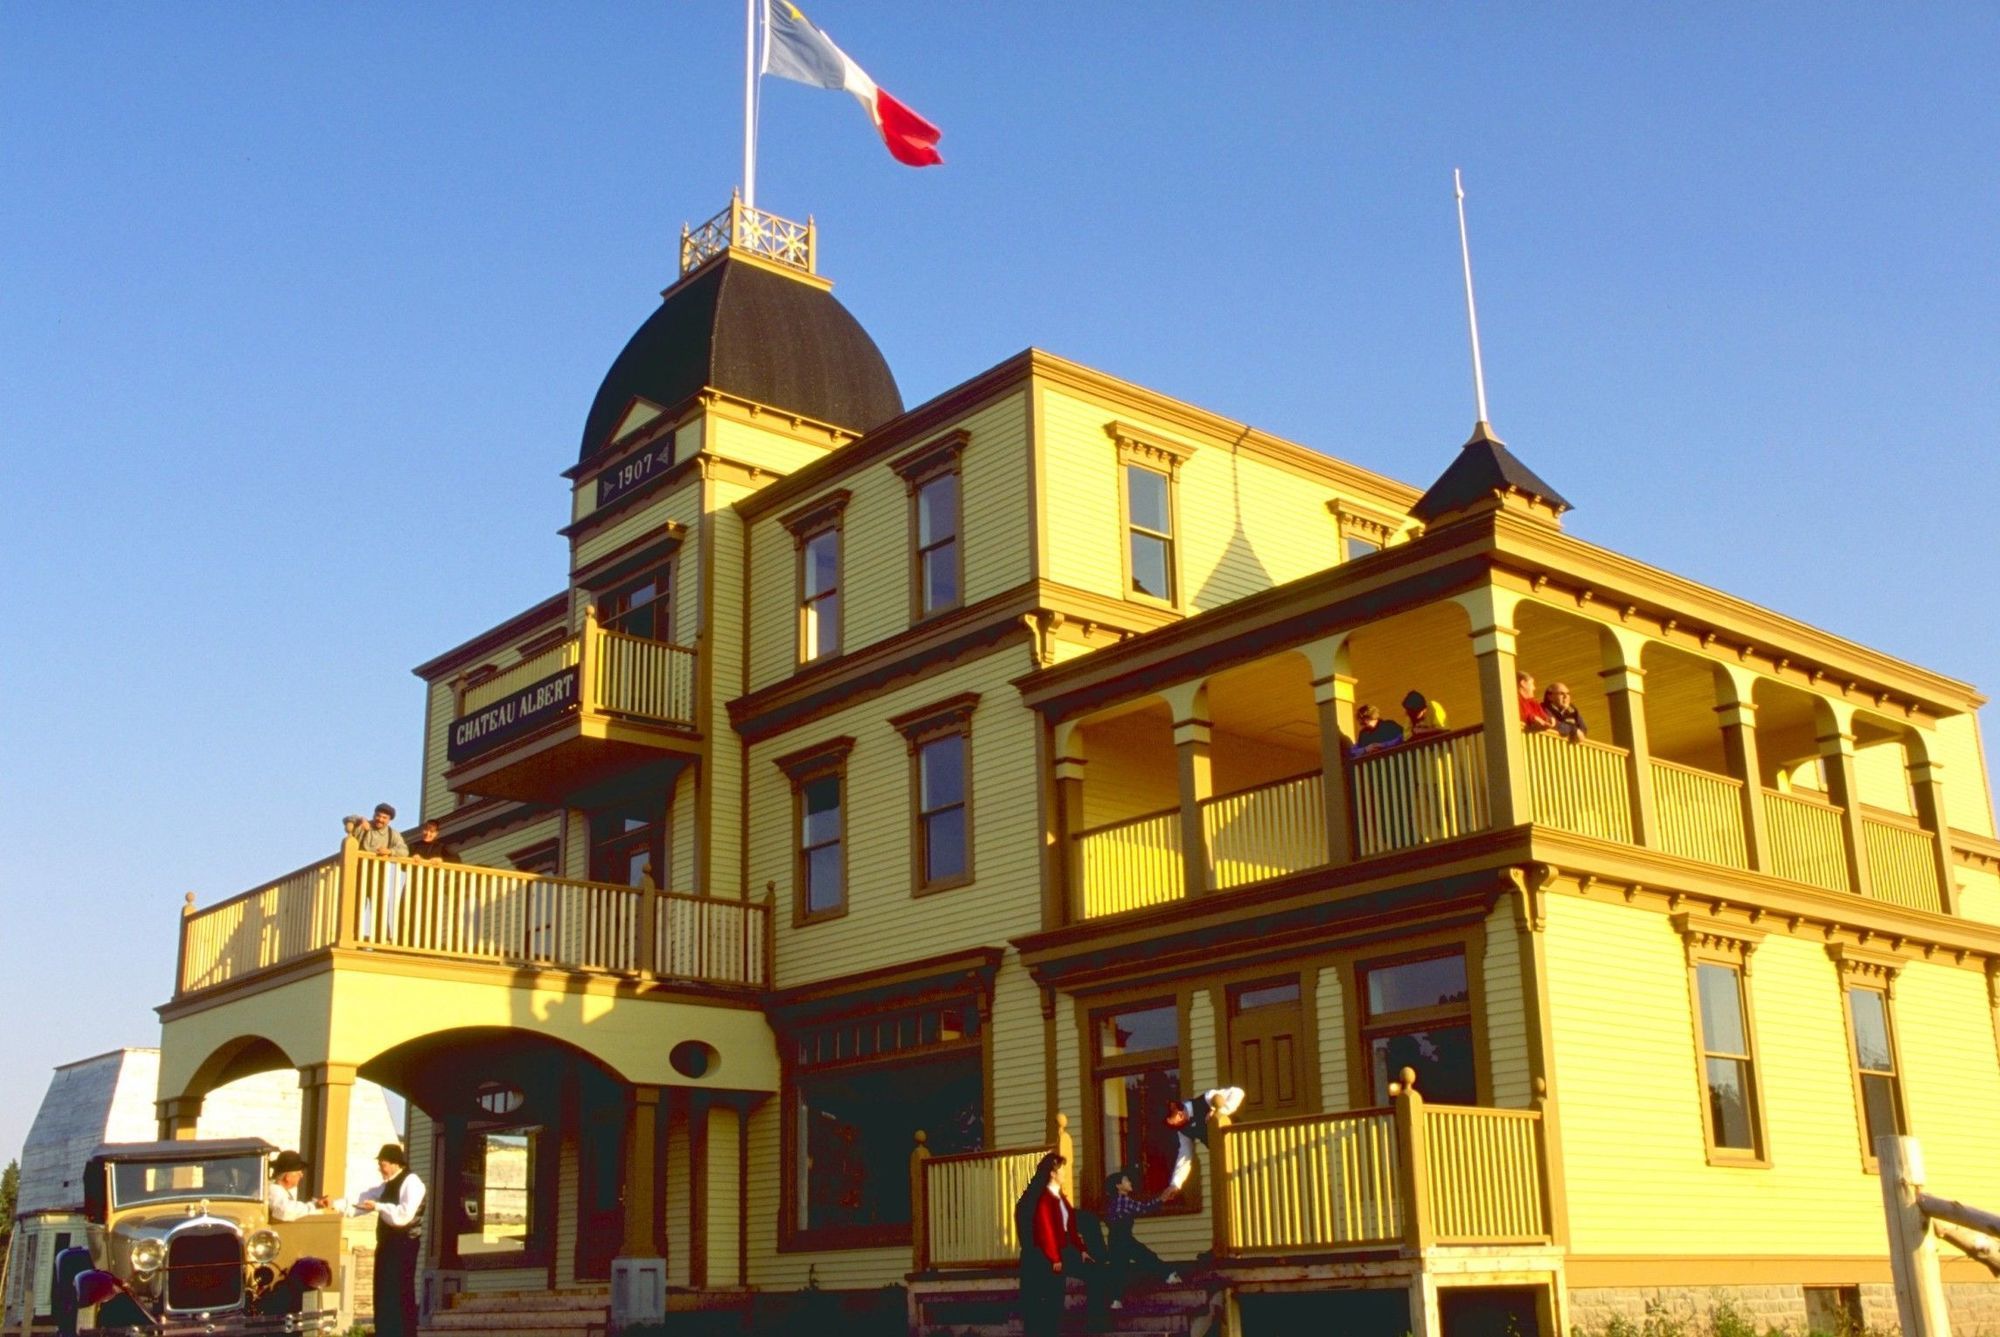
(943,832)
(937,544)
(1875,1065)
(819,595)
(822,836)
(1149,534)
(1729,1071)
(640,607)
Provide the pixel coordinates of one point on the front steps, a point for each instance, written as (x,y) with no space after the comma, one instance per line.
(577,1312)
(990,1307)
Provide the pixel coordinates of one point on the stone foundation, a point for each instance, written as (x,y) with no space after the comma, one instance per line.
(1688,1311)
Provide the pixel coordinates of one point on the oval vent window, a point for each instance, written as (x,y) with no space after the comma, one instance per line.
(498,1097)
(692,1058)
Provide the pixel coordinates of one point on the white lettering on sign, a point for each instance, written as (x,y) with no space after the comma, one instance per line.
(621,478)
(505,716)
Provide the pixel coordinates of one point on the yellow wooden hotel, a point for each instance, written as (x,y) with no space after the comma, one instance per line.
(888,793)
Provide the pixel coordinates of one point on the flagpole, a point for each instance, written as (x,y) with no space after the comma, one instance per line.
(750,103)
(1471,313)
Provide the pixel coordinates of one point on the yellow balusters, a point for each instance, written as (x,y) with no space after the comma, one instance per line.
(1265,832)
(1130,864)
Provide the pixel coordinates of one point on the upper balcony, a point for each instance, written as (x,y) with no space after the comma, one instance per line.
(1220,761)
(594,703)
(453,914)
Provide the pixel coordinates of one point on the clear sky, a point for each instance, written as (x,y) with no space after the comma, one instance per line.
(302,307)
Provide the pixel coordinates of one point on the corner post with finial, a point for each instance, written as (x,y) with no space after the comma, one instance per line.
(1412,1161)
(180,960)
(920,1230)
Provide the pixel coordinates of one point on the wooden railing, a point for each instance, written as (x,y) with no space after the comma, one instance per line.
(1580,786)
(469,913)
(1268,831)
(1412,1175)
(264,927)
(1430,788)
(646,679)
(1485,1175)
(1126,865)
(1320,1181)
(962,1206)
(543,663)
(1805,840)
(1700,814)
(1902,861)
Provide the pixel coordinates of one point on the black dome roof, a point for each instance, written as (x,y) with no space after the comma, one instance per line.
(747,330)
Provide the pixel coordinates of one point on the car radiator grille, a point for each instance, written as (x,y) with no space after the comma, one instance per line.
(205,1270)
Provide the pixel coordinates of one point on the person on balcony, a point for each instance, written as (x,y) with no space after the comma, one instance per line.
(398,1204)
(1192,1119)
(1568,719)
(1425,715)
(1052,1249)
(381,837)
(430,848)
(1124,1255)
(282,1194)
(1374,733)
(1534,715)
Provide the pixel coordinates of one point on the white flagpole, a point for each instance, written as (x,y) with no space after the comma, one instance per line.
(1471,313)
(750,103)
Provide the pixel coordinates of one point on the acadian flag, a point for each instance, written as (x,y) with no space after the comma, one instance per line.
(794,49)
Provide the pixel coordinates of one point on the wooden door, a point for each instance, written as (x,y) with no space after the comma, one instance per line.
(1267,1048)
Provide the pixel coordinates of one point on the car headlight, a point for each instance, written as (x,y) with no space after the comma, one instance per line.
(262,1246)
(147,1255)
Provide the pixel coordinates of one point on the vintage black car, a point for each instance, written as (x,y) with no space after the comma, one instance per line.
(181,1241)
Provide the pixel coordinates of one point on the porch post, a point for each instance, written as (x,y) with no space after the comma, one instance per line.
(1413,1162)
(920,1221)
(1069,771)
(348,912)
(1843,786)
(1624,691)
(1333,695)
(1499,703)
(1739,743)
(1221,1221)
(328,1095)
(639,1273)
(1192,737)
(178,1115)
(1927,788)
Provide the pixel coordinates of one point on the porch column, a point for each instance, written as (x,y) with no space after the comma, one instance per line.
(1843,786)
(1624,691)
(328,1091)
(1511,803)
(1068,870)
(1738,715)
(639,1272)
(1192,736)
(1927,789)
(1334,697)
(177,1117)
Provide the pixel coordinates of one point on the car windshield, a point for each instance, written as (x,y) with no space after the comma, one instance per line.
(171,1181)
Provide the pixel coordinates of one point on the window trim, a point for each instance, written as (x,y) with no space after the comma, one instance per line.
(667,569)
(1717,942)
(1356,520)
(918,469)
(1136,447)
(828,758)
(1470,949)
(822,515)
(918,727)
(1089,1171)
(1858,969)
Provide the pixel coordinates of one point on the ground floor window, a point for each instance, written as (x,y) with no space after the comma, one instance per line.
(495,1203)
(1418,1015)
(857,1127)
(1137,1056)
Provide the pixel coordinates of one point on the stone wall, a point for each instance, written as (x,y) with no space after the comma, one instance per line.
(1688,1311)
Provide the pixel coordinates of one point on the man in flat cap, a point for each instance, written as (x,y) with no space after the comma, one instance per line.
(380,836)
(398,1204)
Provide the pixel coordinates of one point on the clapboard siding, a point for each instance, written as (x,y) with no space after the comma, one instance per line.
(759,447)
(877,551)
(1335,1090)
(1968,792)
(1506,1011)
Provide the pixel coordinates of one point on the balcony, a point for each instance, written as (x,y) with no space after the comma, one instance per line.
(594,704)
(1183,787)
(449,912)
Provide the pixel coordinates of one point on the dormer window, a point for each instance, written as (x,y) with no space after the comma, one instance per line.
(1148,469)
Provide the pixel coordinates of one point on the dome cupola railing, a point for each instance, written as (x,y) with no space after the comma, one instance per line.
(753,232)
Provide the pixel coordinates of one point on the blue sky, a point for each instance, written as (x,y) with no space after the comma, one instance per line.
(302,306)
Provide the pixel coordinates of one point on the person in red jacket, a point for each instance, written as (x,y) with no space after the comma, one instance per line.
(1051,1249)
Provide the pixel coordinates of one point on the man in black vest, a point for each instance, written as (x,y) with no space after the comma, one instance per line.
(398,1204)
(1192,1119)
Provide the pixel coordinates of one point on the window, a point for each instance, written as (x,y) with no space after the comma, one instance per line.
(1867,982)
(641,606)
(941,786)
(1418,1015)
(1875,1064)
(1354,546)
(815,529)
(1149,527)
(864,1088)
(1363,529)
(1725,1038)
(1148,467)
(496,1198)
(1136,1053)
(628,842)
(936,512)
(819,866)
